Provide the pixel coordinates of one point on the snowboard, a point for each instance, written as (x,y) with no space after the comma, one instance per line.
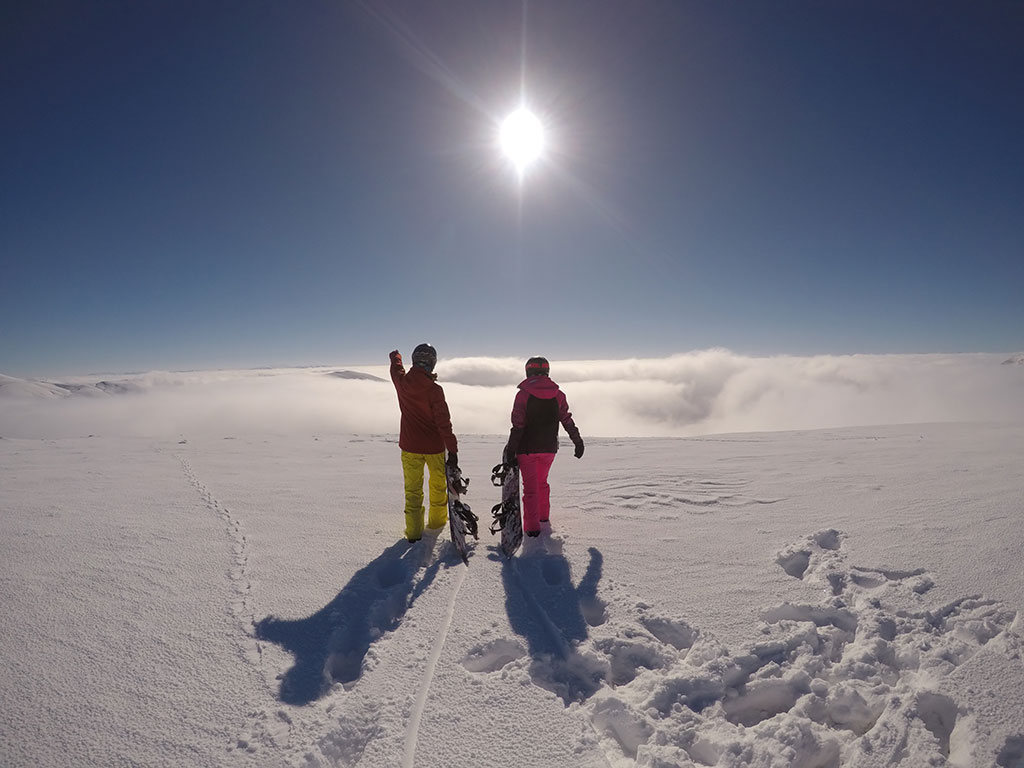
(507,516)
(461,520)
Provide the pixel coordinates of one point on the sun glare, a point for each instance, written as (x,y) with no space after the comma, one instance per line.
(522,138)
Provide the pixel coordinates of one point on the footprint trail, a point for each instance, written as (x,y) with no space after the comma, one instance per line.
(855,679)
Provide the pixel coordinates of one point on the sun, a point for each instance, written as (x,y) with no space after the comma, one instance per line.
(522,138)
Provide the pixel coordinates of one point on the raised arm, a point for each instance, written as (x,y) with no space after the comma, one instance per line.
(397,369)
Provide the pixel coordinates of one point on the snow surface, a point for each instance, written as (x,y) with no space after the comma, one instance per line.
(206,568)
(845,597)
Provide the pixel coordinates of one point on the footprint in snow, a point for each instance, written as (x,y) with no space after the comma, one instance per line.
(492,656)
(850,680)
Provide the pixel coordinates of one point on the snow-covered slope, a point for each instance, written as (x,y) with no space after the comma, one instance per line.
(19,389)
(833,598)
(12,388)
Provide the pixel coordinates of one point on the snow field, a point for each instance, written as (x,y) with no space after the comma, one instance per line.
(837,598)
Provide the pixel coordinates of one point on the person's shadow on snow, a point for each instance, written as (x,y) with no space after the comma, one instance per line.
(330,645)
(554,616)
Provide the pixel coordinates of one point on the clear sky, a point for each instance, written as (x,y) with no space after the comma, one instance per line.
(213,184)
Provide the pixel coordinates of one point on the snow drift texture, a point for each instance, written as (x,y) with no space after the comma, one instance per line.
(836,598)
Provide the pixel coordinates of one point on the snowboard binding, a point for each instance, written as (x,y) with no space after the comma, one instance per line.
(468,517)
(507,519)
(461,519)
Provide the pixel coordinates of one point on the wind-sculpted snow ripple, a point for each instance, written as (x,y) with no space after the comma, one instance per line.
(662,496)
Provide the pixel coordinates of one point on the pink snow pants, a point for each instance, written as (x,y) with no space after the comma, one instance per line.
(534,468)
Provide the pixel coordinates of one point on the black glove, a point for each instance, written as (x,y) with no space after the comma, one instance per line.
(453,460)
(579,450)
(509,460)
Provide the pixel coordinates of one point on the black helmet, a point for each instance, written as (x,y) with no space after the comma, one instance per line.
(537,366)
(425,357)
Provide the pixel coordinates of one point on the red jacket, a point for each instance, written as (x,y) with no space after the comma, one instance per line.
(426,423)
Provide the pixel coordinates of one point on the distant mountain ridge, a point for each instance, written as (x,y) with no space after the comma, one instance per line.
(24,388)
(15,388)
(52,390)
(354,376)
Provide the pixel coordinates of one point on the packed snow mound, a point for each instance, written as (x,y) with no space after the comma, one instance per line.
(1017,359)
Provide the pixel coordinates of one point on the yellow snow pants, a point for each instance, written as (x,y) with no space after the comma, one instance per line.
(412,468)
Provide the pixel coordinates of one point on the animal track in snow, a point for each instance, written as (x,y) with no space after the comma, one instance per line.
(265,728)
(241,607)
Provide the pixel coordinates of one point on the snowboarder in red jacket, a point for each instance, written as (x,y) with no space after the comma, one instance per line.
(426,432)
(540,406)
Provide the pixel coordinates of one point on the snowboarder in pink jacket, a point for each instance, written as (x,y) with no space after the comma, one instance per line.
(540,406)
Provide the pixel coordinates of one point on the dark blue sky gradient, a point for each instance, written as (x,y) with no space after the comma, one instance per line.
(196,184)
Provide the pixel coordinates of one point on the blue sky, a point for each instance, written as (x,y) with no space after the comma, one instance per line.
(193,184)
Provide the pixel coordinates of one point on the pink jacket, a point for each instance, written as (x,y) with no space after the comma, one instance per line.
(540,406)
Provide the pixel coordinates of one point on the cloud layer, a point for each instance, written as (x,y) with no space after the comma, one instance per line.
(705,392)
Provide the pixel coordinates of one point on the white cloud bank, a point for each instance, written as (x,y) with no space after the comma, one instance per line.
(705,392)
